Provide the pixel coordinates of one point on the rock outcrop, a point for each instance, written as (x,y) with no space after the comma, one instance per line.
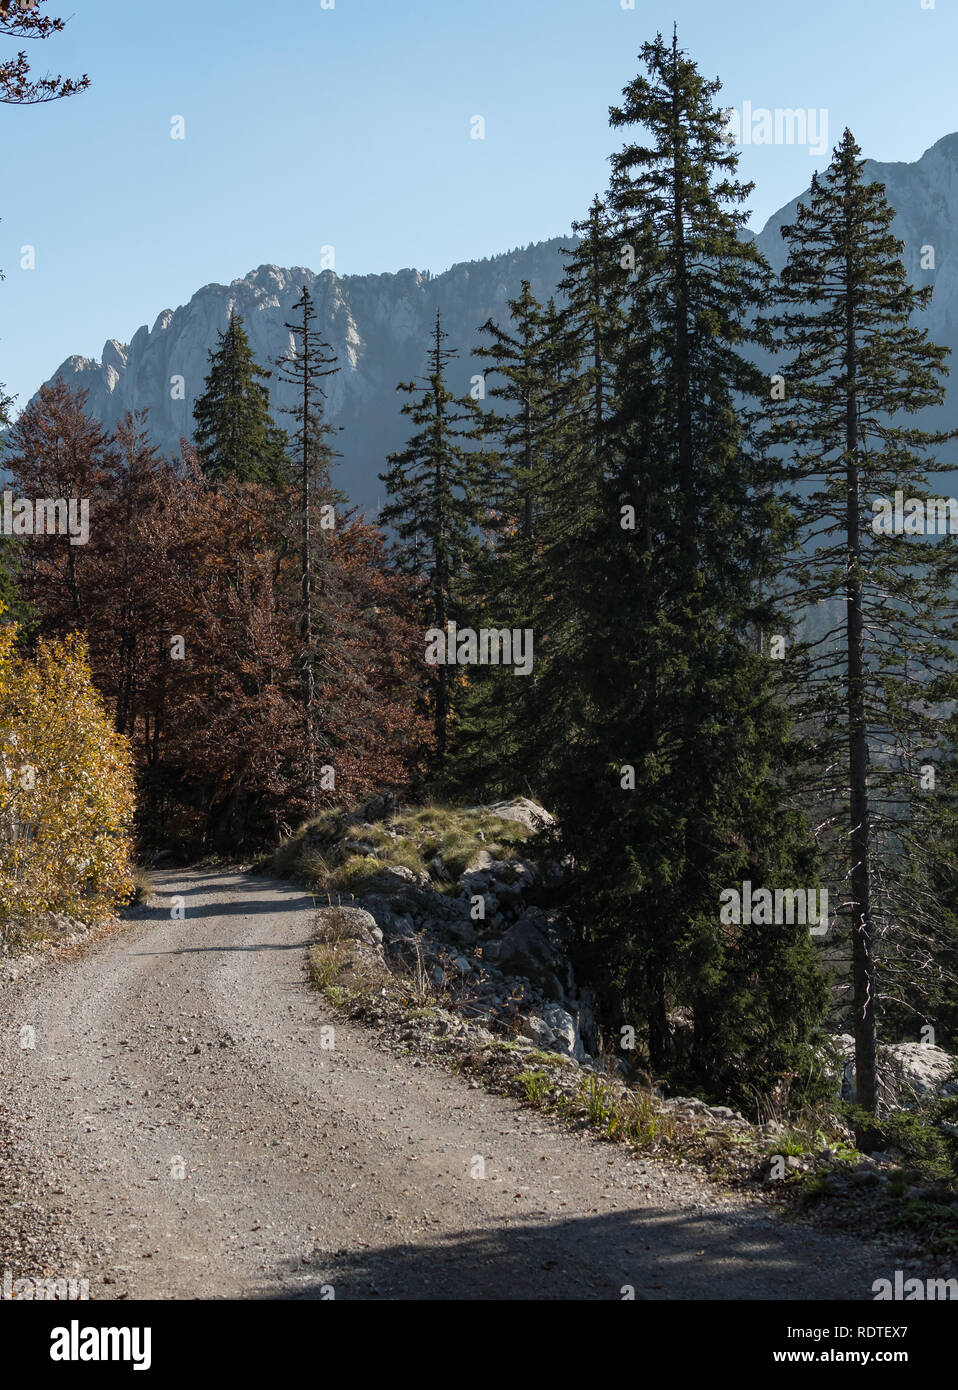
(467,927)
(908,1072)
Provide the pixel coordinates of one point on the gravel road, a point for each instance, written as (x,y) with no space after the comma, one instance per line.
(204,1140)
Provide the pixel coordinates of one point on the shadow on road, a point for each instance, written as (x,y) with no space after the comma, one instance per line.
(216,950)
(659,1253)
(255,907)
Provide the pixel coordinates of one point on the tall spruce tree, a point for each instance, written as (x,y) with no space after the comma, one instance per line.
(673,787)
(305,366)
(857,364)
(436,485)
(595,286)
(554,371)
(235,433)
(584,348)
(530,377)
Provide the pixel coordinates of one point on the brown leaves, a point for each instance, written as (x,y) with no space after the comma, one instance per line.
(189,592)
(17,87)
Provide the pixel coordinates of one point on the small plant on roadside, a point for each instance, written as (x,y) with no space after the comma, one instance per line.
(142,887)
(535,1084)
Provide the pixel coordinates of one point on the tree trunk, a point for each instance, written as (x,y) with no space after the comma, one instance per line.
(660,1037)
(307,596)
(863,966)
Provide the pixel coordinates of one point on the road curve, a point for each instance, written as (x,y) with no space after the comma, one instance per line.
(183,1098)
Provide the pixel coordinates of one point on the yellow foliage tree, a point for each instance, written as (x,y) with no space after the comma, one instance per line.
(67,793)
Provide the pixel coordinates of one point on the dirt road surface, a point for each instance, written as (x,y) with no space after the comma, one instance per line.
(183,1104)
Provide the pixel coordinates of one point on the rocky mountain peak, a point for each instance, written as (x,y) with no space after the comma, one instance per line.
(379,324)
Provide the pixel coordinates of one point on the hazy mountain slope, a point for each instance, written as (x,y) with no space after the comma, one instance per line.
(379,326)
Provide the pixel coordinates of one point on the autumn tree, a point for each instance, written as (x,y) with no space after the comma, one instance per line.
(129,619)
(189,591)
(22,19)
(66,788)
(232,738)
(55,450)
(378,737)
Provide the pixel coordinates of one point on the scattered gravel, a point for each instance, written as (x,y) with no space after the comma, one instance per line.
(195,1122)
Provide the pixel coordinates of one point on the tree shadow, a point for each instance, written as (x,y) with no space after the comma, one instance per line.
(219,950)
(156,912)
(658,1253)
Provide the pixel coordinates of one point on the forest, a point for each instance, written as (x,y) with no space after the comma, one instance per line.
(735,688)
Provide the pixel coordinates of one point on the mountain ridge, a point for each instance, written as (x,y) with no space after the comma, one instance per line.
(379,323)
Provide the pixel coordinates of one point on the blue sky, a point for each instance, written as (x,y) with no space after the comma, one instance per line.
(308,127)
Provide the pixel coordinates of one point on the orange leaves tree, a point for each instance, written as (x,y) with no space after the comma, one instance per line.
(189,594)
(66,788)
(233,738)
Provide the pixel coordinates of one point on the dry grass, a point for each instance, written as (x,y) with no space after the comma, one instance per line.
(343,967)
(440,841)
(142,886)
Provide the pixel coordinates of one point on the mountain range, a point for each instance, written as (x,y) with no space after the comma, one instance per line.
(379,325)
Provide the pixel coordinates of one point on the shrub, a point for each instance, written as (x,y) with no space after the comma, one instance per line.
(66,789)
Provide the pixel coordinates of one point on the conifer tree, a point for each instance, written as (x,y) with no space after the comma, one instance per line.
(436,484)
(235,434)
(595,284)
(585,343)
(672,788)
(857,363)
(522,383)
(531,373)
(305,366)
